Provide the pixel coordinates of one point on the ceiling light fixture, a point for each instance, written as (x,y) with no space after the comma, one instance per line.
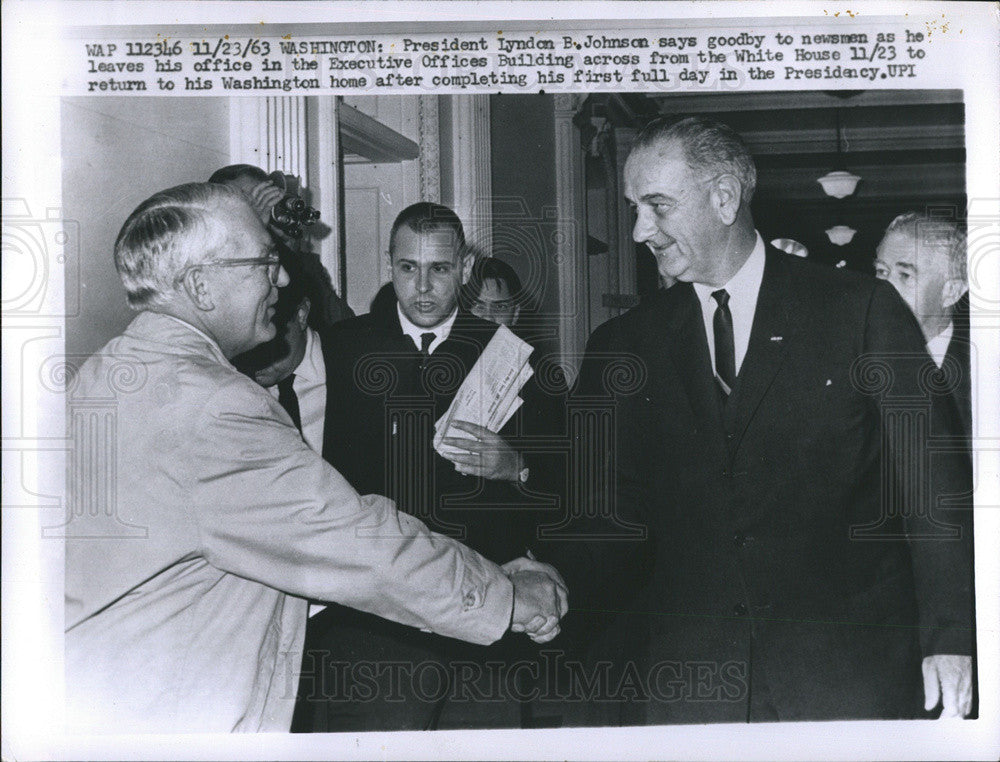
(839,183)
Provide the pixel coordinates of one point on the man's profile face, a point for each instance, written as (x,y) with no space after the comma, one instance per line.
(274,360)
(675,216)
(495,303)
(427,272)
(243,296)
(919,273)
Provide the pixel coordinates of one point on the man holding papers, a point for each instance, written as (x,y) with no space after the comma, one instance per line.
(437,409)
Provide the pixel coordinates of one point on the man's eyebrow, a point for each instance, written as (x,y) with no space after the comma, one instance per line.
(906,266)
(657,197)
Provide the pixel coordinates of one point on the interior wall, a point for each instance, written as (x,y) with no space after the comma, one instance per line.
(524,200)
(374,194)
(117,152)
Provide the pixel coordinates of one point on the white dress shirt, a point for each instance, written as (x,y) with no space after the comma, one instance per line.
(938,346)
(310,388)
(440,331)
(743,289)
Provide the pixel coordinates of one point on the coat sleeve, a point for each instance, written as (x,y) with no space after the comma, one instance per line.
(935,498)
(270,509)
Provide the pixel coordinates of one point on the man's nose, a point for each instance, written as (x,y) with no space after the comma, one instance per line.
(644,229)
(283,279)
(423,281)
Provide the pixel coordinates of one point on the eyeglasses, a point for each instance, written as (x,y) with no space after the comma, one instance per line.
(273,266)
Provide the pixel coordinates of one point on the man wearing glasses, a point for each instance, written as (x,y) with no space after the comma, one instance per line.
(187,576)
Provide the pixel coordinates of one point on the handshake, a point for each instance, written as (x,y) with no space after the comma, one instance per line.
(541,598)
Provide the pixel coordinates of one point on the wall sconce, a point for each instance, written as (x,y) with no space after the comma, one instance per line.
(840,235)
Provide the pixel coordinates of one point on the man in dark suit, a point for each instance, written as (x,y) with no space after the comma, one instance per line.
(390,375)
(924,258)
(773,403)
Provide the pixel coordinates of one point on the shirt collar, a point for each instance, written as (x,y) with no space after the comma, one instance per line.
(311,368)
(938,346)
(745,283)
(440,331)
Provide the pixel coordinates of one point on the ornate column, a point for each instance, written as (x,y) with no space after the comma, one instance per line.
(270,133)
(571,241)
(430,147)
(472,166)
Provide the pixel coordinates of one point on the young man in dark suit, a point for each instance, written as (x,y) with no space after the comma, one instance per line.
(390,375)
(776,403)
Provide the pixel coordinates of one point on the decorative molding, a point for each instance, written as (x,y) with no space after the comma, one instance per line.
(328,190)
(571,261)
(472,167)
(430,148)
(371,141)
(270,133)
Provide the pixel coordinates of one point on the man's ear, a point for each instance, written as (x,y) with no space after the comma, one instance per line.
(198,290)
(952,291)
(517,313)
(302,313)
(726,196)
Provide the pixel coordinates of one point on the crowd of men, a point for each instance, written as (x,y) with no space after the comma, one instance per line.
(756,543)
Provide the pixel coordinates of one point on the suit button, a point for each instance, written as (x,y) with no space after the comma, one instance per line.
(741,540)
(740,609)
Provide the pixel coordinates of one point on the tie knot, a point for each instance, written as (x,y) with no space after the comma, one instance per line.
(721,296)
(426,339)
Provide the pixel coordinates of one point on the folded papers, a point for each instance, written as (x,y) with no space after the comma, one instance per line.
(488,396)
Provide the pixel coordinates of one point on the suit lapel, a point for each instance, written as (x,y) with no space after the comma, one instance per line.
(766,351)
(682,332)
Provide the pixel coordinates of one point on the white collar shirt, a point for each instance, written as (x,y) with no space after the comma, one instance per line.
(440,331)
(743,289)
(938,346)
(310,389)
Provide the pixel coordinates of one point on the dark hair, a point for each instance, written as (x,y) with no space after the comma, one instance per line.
(490,269)
(427,217)
(710,148)
(230,173)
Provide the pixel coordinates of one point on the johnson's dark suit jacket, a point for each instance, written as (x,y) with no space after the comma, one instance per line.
(960,353)
(772,560)
(383,399)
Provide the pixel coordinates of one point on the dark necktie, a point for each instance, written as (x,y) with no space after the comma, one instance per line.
(426,339)
(288,400)
(725,347)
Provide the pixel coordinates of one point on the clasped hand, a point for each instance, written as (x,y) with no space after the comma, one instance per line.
(487,454)
(541,598)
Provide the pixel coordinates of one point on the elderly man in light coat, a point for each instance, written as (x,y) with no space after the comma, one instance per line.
(187,576)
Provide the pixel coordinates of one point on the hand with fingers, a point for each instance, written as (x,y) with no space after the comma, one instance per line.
(541,599)
(487,454)
(262,197)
